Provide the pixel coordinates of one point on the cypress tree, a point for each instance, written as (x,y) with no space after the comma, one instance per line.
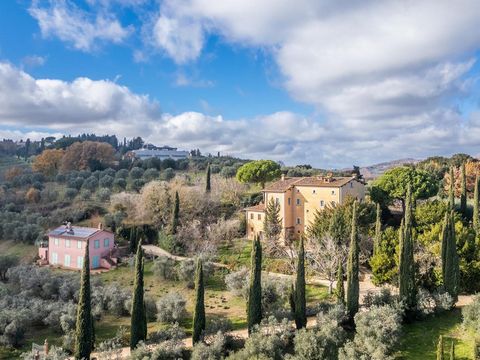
(476,219)
(207,185)
(199,314)
(138,328)
(451,191)
(300,300)
(340,288)
(176,213)
(407,288)
(84,335)
(254,305)
(444,240)
(450,258)
(440,348)
(353,285)
(378,231)
(132,242)
(463,192)
(452,351)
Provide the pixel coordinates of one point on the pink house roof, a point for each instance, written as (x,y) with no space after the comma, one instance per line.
(74,232)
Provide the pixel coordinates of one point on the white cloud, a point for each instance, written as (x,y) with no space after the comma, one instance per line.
(63,19)
(102,106)
(34,60)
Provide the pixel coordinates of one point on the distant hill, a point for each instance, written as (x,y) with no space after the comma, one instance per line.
(373,171)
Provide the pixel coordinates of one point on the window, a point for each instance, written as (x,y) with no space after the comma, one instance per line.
(322,203)
(251,216)
(289,201)
(298,190)
(298,221)
(333,192)
(259,217)
(66,262)
(314,191)
(54,258)
(106,242)
(79,262)
(56,241)
(96,244)
(67,242)
(79,244)
(251,228)
(351,184)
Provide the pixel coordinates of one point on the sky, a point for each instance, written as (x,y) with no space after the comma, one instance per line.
(327,83)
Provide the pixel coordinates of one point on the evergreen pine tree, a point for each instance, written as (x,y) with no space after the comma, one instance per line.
(300,300)
(207,185)
(353,284)
(407,288)
(254,305)
(84,334)
(476,219)
(272,223)
(463,192)
(378,231)
(450,258)
(440,348)
(199,314)
(138,329)
(340,288)
(451,191)
(175,215)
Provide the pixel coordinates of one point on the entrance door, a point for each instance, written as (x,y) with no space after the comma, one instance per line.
(96,262)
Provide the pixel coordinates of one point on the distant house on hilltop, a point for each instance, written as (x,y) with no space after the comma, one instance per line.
(151,151)
(66,247)
(299,198)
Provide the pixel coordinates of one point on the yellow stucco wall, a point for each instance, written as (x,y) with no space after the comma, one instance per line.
(254,223)
(299,204)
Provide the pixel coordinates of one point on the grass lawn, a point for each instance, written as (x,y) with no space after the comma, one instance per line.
(25,252)
(419,340)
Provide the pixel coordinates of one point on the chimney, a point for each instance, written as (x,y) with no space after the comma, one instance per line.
(283,177)
(100,226)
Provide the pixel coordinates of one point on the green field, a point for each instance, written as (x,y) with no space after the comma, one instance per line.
(419,340)
(7,162)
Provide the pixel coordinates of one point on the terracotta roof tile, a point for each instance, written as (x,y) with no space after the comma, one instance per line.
(258,207)
(286,183)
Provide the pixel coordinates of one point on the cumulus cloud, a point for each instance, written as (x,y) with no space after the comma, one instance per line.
(63,19)
(103,106)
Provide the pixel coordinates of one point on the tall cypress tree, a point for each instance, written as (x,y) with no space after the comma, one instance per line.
(84,335)
(463,192)
(300,299)
(450,258)
(407,288)
(444,240)
(254,305)
(340,288)
(378,231)
(207,184)
(199,314)
(132,243)
(451,191)
(176,213)
(452,351)
(440,348)
(353,285)
(138,328)
(476,219)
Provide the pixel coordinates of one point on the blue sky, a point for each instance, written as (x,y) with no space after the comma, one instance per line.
(299,81)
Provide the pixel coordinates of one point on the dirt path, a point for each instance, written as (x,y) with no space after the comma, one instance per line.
(365,286)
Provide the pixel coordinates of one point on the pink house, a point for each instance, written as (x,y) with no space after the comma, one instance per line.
(66,247)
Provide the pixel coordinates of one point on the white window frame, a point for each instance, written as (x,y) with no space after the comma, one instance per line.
(79,244)
(56,241)
(67,243)
(79,262)
(65,258)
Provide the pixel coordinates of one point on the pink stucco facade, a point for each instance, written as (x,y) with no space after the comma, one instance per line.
(68,250)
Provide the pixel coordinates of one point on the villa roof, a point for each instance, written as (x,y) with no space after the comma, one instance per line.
(317,181)
(259,208)
(74,232)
